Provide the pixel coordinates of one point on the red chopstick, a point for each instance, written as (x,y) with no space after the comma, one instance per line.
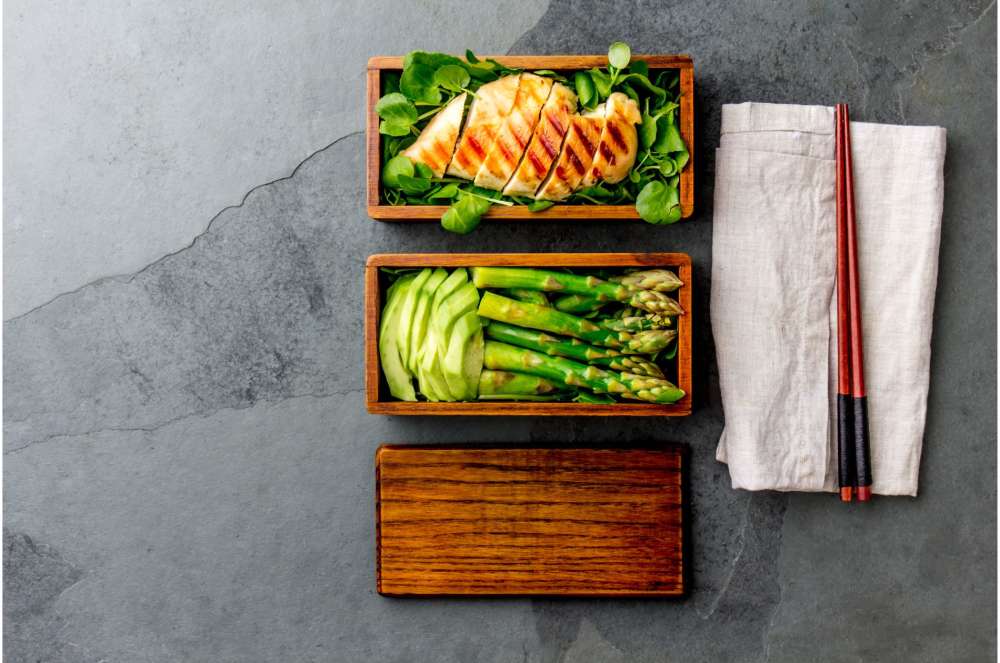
(862,451)
(854,454)
(845,421)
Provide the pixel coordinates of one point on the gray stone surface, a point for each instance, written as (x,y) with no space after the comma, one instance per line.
(188,464)
(132,123)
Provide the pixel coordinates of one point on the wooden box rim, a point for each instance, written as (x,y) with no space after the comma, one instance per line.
(373,310)
(380,211)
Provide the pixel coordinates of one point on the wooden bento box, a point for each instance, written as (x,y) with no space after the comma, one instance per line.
(378,209)
(379,401)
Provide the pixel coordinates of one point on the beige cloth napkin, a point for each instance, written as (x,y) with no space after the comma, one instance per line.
(773,292)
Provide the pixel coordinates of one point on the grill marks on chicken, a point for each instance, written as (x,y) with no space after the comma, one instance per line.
(489,109)
(515,132)
(546,141)
(436,143)
(619,141)
(577,155)
(523,137)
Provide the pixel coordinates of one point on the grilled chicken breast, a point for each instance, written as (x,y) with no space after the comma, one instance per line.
(489,109)
(515,133)
(576,157)
(436,143)
(619,142)
(545,144)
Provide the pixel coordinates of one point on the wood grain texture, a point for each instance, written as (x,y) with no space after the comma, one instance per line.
(379,401)
(529,521)
(378,210)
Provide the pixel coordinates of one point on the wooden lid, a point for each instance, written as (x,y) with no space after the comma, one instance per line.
(529,521)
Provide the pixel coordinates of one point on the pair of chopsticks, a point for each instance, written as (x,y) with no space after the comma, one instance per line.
(854,457)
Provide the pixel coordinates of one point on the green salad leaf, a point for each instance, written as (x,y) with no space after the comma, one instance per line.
(417,83)
(397,113)
(658,203)
(548,73)
(394,168)
(413,185)
(602,83)
(452,77)
(464,216)
(423,170)
(448,192)
(668,137)
(585,89)
(539,205)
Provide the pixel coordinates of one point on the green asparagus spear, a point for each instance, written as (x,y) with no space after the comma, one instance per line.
(571,348)
(648,342)
(508,383)
(539,279)
(661,280)
(578,303)
(551,345)
(499,308)
(500,356)
(656,302)
(631,364)
(530,296)
(635,323)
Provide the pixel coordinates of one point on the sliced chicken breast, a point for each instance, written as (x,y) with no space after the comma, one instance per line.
(515,133)
(436,143)
(619,143)
(546,141)
(576,157)
(489,109)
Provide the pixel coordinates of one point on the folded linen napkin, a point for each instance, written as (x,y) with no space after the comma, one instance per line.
(773,292)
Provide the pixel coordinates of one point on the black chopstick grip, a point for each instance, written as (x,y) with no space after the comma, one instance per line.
(862,453)
(845,441)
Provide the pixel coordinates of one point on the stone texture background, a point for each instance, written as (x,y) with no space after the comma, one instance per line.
(188,463)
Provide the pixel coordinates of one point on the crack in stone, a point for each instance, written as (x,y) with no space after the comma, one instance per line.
(139,375)
(128,278)
(766,636)
(736,560)
(152,428)
(906,76)
(865,86)
(951,39)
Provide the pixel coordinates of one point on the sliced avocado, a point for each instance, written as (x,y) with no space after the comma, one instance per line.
(429,366)
(420,314)
(429,388)
(400,380)
(406,314)
(472,363)
(455,280)
(464,300)
(464,344)
(434,377)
